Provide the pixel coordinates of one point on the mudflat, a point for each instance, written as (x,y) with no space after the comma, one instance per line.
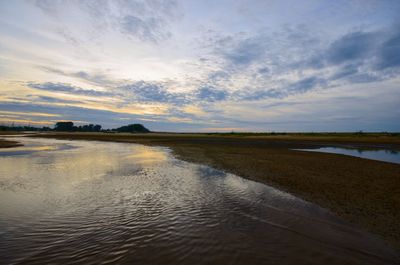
(7,144)
(364,192)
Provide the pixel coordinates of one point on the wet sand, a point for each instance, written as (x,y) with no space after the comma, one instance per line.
(364,192)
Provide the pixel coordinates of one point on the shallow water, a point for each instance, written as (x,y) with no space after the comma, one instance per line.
(391,156)
(95,203)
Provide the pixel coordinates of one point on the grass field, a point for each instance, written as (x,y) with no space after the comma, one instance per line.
(364,192)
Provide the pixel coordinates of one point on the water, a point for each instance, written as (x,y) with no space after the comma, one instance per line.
(80,202)
(391,156)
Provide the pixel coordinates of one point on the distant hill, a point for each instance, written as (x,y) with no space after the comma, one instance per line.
(133,128)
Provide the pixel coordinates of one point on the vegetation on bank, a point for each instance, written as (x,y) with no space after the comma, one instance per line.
(13,128)
(358,133)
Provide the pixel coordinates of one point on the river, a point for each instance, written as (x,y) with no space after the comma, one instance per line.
(79,202)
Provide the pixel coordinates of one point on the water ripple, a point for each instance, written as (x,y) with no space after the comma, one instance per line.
(102,203)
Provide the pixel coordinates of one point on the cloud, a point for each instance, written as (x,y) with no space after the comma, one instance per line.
(258,94)
(99,79)
(264,70)
(284,90)
(34,114)
(211,94)
(218,75)
(148,29)
(142,20)
(245,51)
(67,88)
(389,56)
(55,100)
(96,78)
(369,50)
(290,61)
(345,71)
(306,84)
(142,57)
(48,6)
(142,91)
(269,50)
(360,56)
(350,47)
(194,110)
(136,92)
(65,112)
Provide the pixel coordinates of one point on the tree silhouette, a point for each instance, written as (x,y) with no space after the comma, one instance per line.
(133,128)
(64,126)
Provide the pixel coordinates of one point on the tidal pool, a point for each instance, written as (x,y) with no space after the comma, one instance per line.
(77,202)
(391,156)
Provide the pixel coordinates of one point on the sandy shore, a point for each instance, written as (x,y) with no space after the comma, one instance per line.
(364,192)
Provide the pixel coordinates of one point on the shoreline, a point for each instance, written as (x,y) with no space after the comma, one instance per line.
(363,192)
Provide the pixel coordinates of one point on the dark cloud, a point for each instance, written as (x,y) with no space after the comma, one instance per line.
(218,75)
(55,100)
(298,87)
(305,85)
(263,70)
(353,46)
(258,94)
(359,56)
(345,71)
(284,90)
(148,91)
(271,51)
(151,92)
(101,79)
(246,51)
(98,78)
(365,55)
(67,88)
(364,78)
(141,91)
(211,94)
(389,55)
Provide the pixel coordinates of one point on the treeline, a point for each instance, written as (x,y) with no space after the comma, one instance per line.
(68,126)
(24,128)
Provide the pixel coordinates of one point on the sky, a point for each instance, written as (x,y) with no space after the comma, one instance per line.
(202,66)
